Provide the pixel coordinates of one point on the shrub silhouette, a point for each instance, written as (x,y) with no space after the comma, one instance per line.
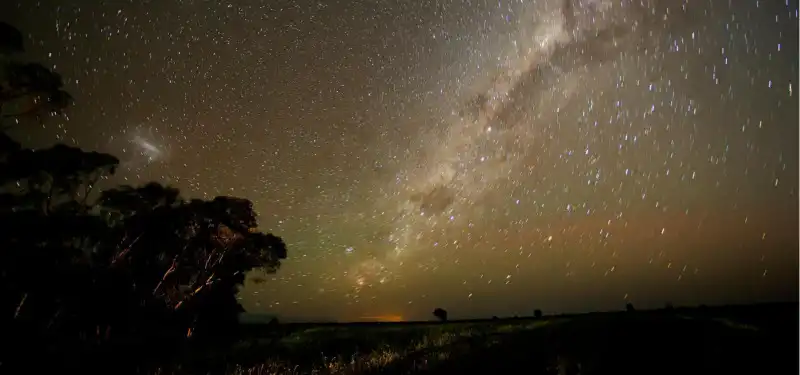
(629,307)
(440,314)
(537,313)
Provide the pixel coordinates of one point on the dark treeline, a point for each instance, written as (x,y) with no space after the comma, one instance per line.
(107,281)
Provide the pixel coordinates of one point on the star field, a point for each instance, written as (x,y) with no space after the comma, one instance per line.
(486,157)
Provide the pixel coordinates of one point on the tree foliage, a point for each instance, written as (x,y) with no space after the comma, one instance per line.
(123,266)
(10,39)
(27,89)
(440,314)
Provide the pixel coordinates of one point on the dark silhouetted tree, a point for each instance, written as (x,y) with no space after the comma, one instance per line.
(29,89)
(629,307)
(125,266)
(440,314)
(10,39)
(190,255)
(47,236)
(537,313)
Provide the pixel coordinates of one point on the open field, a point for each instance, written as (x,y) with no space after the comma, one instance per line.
(754,339)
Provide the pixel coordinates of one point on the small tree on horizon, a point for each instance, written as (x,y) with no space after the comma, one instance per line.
(537,313)
(440,314)
(629,307)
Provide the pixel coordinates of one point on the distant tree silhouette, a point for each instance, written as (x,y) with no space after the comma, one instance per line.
(119,267)
(629,307)
(440,314)
(668,306)
(495,317)
(537,313)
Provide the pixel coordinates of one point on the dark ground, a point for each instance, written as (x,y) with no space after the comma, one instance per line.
(756,339)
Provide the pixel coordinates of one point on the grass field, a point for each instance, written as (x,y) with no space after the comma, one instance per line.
(759,339)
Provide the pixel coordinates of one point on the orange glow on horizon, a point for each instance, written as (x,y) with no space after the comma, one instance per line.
(384,318)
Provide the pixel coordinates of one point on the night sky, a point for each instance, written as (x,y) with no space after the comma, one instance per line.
(487,157)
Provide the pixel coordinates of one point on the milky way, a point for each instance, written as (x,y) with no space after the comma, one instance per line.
(486,157)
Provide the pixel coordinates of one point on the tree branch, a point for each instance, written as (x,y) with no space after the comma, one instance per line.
(171,269)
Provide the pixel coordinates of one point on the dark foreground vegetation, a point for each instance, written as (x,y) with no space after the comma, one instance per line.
(756,339)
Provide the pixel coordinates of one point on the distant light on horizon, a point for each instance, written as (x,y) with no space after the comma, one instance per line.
(383,318)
